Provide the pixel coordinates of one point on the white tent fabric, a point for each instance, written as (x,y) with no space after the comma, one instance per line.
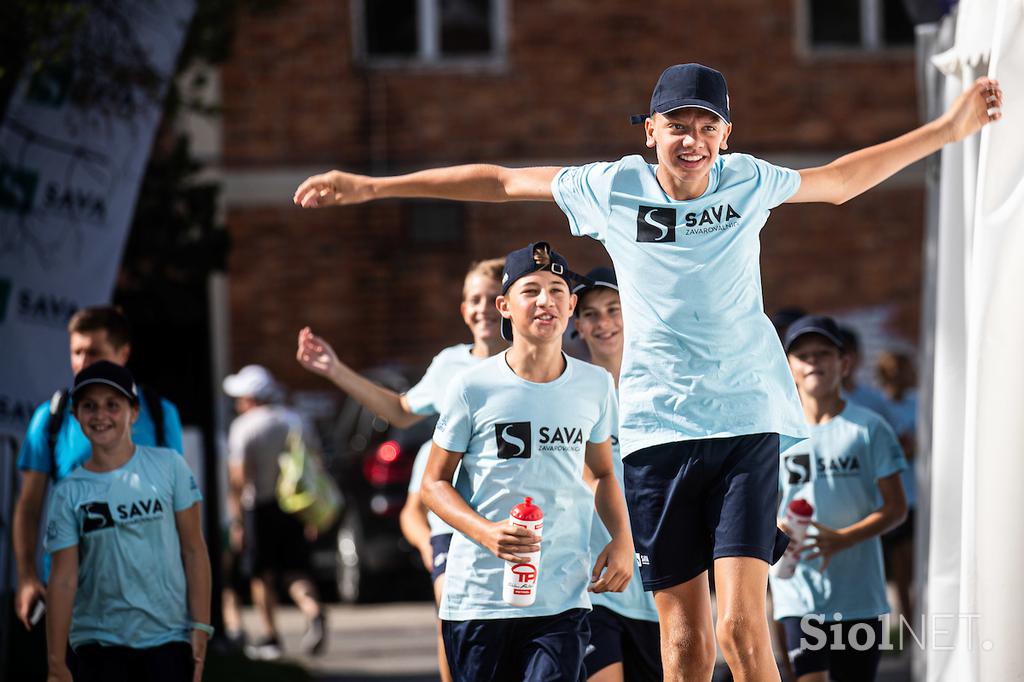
(977,548)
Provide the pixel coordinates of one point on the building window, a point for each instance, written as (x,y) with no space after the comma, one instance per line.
(862,25)
(429,32)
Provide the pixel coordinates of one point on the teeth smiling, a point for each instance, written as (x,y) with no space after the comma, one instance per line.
(691,157)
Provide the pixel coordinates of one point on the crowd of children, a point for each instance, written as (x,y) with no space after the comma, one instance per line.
(691,417)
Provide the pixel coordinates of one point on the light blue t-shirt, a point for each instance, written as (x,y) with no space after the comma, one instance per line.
(633,602)
(837,471)
(131,581)
(701,359)
(72,447)
(426,397)
(524,439)
(902,417)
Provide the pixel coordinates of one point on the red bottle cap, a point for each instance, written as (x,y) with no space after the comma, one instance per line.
(801,507)
(527,511)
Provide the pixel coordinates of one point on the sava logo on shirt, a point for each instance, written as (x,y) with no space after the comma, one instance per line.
(96,516)
(798,467)
(513,440)
(658,225)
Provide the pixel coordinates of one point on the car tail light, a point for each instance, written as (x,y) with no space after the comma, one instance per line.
(386,466)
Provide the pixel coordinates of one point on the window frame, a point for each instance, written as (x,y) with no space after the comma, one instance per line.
(428,29)
(872,40)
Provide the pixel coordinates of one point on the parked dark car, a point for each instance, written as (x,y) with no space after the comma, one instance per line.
(372,461)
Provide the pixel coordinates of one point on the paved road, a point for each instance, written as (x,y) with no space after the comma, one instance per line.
(395,643)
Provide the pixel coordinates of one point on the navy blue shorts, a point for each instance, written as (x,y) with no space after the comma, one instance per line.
(439,544)
(614,638)
(539,649)
(847,657)
(695,501)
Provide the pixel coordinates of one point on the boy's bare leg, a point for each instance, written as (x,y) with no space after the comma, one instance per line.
(687,631)
(442,659)
(741,584)
(264,599)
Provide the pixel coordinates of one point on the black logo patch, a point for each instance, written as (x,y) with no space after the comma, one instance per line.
(97,517)
(513,440)
(655,224)
(798,467)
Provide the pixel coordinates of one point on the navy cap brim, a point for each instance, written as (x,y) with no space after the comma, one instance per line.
(104,382)
(676,105)
(820,331)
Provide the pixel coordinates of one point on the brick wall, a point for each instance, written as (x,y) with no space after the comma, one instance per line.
(575,70)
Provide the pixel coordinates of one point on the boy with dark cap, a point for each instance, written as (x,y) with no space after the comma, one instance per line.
(849,471)
(523,424)
(707,399)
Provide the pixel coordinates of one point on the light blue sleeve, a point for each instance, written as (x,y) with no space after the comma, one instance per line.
(186,491)
(35,449)
(172,426)
(605,426)
(584,195)
(419,465)
(455,427)
(62,525)
(775,184)
(885,450)
(423,398)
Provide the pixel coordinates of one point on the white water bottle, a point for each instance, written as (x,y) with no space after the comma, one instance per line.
(519,583)
(798,518)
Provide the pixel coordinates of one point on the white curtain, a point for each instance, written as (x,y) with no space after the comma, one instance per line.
(976,557)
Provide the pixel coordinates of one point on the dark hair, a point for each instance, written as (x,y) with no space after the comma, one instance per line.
(106,318)
(542,254)
(850,339)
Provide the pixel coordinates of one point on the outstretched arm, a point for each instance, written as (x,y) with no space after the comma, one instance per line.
(317,356)
(855,173)
(474,182)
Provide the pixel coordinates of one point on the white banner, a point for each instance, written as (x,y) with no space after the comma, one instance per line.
(69,179)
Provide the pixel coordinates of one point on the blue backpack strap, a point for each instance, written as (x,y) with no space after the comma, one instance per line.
(58,409)
(156,410)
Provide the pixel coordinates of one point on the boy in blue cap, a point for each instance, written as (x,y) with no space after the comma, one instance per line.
(524,423)
(707,398)
(849,470)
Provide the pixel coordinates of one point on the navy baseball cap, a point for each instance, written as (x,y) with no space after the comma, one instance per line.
(601,276)
(689,85)
(109,374)
(815,324)
(521,262)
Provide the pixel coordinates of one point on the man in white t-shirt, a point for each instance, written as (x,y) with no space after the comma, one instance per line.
(707,399)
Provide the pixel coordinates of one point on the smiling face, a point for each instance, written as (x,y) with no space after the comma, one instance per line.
(539,306)
(817,366)
(599,322)
(478,311)
(106,416)
(687,141)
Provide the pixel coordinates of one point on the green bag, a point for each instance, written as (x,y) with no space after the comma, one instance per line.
(304,488)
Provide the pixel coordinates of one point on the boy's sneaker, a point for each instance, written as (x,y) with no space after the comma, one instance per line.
(314,641)
(266,649)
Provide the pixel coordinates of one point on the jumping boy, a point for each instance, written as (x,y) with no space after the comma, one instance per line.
(425,531)
(849,470)
(707,397)
(624,640)
(524,423)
